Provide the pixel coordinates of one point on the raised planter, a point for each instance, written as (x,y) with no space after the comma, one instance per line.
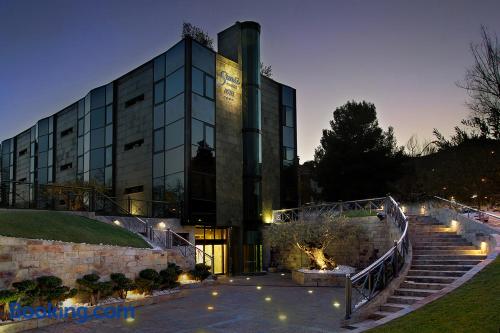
(322,278)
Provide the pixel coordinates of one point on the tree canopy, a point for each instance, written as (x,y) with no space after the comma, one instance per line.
(356,158)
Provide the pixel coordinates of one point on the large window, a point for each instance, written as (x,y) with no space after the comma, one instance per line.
(95,136)
(289,185)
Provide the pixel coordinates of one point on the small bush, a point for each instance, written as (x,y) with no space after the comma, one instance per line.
(51,290)
(27,292)
(94,290)
(148,280)
(7,297)
(200,272)
(121,284)
(169,276)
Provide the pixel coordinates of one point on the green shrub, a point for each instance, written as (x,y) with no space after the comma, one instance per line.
(27,292)
(51,290)
(121,284)
(170,275)
(200,272)
(7,297)
(94,290)
(148,280)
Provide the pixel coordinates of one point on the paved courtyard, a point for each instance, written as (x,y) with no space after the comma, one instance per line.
(271,303)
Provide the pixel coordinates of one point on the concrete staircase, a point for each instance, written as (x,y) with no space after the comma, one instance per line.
(440,256)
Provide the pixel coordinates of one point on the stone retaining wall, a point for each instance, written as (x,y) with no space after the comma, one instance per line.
(379,237)
(22,258)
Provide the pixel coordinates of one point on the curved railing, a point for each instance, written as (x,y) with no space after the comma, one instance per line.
(365,285)
(479,215)
(326,209)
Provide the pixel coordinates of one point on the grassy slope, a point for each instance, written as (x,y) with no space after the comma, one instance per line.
(65,227)
(473,307)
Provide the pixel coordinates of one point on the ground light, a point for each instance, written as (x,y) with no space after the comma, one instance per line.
(210,308)
(310,291)
(282,317)
(336,304)
(267,299)
(129,319)
(248,278)
(214,293)
(231,280)
(282,274)
(117,222)
(259,287)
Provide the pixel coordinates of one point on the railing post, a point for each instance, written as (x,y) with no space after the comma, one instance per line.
(128,204)
(168,239)
(348,296)
(396,259)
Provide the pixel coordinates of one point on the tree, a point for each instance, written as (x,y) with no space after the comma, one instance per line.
(266,70)
(482,82)
(121,284)
(312,237)
(90,286)
(414,147)
(356,158)
(196,33)
(50,289)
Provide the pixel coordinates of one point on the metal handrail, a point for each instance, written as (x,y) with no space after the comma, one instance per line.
(363,282)
(328,204)
(467,207)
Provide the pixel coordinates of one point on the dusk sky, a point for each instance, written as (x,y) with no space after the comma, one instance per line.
(404,56)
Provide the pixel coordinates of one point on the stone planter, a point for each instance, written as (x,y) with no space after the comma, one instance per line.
(315,278)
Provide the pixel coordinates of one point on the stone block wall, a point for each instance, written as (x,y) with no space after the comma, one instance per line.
(22,258)
(378,237)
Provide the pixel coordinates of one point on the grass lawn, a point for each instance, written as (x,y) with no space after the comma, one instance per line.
(66,228)
(473,307)
(360,213)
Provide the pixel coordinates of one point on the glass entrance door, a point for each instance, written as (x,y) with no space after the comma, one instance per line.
(214,242)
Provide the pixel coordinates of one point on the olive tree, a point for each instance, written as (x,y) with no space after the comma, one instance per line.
(311,237)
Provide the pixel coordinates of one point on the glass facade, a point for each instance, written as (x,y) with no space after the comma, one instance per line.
(168,132)
(45,163)
(289,182)
(95,137)
(7,171)
(202,164)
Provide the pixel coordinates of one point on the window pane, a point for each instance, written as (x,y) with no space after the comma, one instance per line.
(159,71)
(80,127)
(202,159)
(203,109)
(174,186)
(109,114)
(197,78)
(97,158)
(175,83)
(202,186)
(158,167)
(109,155)
(43,143)
(108,176)
(288,137)
(50,157)
(42,175)
(97,138)
(159,116)
(87,123)
(80,164)
(109,93)
(209,86)
(51,140)
(86,142)
(174,109)
(43,127)
(203,58)
(288,96)
(174,160)
(197,132)
(109,135)
(97,118)
(175,57)
(289,117)
(97,175)
(289,154)
(158,140)
(159,92)
(97,97)
(174,134)
(159,188)
(86,161)
(42,159)
(81,108)
(209,136)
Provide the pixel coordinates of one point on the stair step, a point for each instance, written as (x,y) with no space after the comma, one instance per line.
(451,262)
(426,286)
(377,315)
(448,257)
(414,292)
(443,247)
(435,235)
(393,307)
(442,242)
(403,299)
(431,279)
(463,268)
(434,273)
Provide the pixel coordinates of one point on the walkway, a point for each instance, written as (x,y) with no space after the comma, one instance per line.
(239,306)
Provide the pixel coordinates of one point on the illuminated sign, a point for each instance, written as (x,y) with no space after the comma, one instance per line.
(229,83)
